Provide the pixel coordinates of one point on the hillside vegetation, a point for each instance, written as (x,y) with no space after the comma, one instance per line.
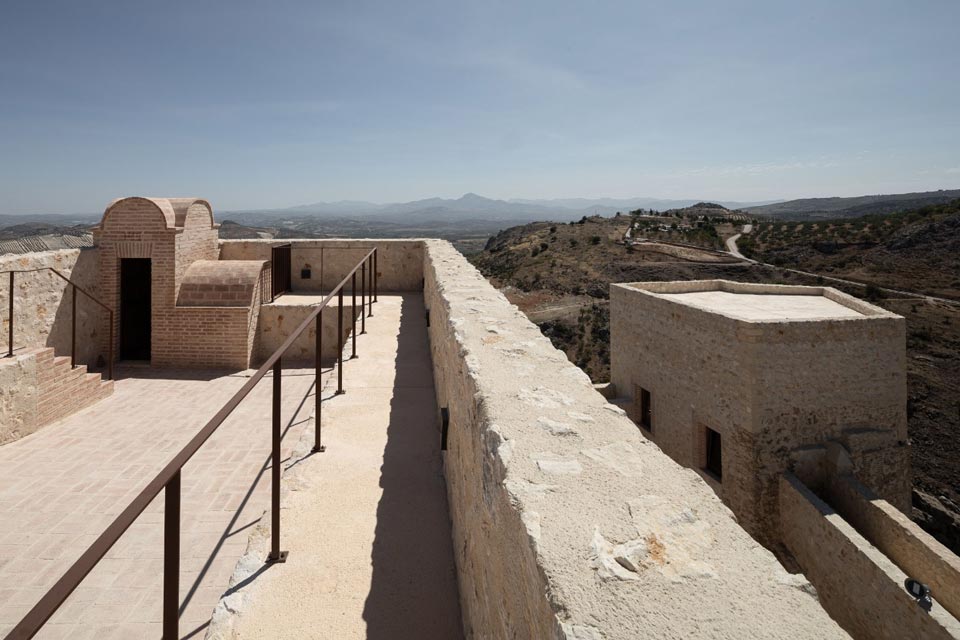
(824,208)
(917,250)
(559,275)
(584,257)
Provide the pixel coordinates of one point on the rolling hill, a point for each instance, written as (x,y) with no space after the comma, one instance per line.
(822,208)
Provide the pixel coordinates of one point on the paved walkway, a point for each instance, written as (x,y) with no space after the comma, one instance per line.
(366,523)
(60,487)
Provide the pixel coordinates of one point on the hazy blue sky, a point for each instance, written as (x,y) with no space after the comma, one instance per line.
(280,103)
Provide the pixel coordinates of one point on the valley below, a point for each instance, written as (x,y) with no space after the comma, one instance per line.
(559,275)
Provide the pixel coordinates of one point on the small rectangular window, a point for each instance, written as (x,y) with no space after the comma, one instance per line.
(646,410)
(714,461)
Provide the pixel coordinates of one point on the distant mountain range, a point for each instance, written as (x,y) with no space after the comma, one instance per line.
(474,207)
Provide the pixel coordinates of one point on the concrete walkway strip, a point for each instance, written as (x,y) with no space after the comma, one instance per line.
(366,523)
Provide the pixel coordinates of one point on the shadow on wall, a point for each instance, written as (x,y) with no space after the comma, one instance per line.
(414,590)
(91,319)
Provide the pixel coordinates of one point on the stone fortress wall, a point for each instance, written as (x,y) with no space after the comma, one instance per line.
(42,304)
(400,261)
(42,318)
(812,415)
(858,584)
(567,522)
(775,390)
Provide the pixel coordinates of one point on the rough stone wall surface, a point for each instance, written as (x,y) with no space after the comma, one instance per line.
(859,586)
(38,388)
(769,388)
(19,394)
(400,262)
(899,538)
(277,322)
(42,303)
(567,522)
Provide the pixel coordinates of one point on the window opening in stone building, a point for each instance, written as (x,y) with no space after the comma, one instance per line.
(646,408)
(714,461)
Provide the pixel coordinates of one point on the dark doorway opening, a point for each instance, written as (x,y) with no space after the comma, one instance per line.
(135,305)
(714,454)
(280,265)
(646,408)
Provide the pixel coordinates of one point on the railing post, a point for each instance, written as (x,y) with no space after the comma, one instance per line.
(171,558)
(317,422)
(363,298)
(275,554)
(10,333)
(73,329)
(373,277)
(376,273)
(340,341)
(353,313)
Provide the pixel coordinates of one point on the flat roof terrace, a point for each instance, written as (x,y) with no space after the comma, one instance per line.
(764,306)
(754,302)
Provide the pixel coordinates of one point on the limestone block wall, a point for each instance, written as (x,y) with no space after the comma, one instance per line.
(567,522)
(400,262)
(19,395)
(770,388)
(278,321)
(858,585)
(899,538)
(42,304)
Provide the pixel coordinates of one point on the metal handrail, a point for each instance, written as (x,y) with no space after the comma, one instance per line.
(168,479)
(73,321)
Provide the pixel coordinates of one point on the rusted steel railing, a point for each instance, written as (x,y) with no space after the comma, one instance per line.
(168,481)
(73,316)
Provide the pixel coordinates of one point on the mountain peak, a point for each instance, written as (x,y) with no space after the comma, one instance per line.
(473,197)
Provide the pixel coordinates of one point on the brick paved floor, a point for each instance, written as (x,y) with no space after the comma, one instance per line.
(60,487)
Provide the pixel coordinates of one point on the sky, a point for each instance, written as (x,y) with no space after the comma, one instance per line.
(279,103)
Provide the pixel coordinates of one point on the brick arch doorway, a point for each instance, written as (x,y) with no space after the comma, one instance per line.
(135,308)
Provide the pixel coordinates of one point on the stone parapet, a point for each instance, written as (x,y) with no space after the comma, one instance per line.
(860,587)
(399,262)
(567,522)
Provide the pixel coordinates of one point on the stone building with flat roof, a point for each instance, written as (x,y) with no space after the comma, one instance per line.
(743,382)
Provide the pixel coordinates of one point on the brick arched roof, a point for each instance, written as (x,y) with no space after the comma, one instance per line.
(220,283)
(173,210)
(182,205)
